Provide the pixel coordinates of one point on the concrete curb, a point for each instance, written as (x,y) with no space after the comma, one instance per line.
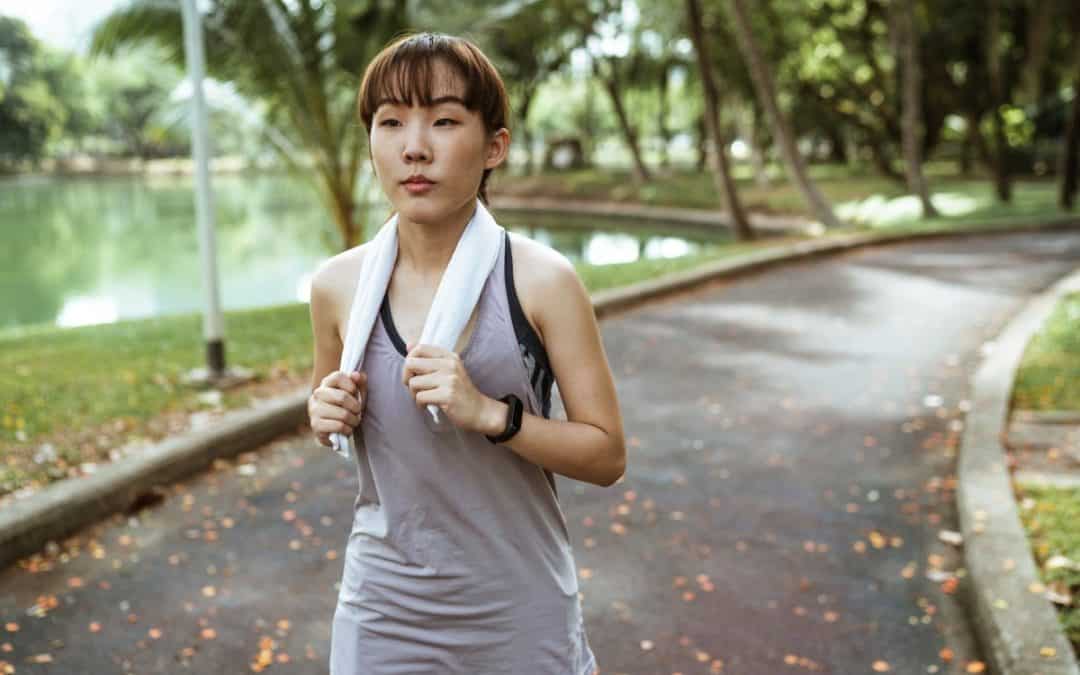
(63,508)
(66,506)
(1019,629)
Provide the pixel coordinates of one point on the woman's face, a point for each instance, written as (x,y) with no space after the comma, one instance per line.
(445,143)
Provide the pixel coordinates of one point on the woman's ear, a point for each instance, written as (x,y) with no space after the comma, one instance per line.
(498,148)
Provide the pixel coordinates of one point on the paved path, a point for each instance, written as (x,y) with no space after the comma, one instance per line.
(792,456)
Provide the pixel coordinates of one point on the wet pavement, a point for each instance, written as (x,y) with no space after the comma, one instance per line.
(792,441)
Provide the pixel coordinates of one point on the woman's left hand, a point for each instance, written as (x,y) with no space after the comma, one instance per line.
(437,376)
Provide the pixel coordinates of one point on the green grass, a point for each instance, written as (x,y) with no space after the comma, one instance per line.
(1051,524)
(692,189)
(1049,374)
(858,195)
(63,385)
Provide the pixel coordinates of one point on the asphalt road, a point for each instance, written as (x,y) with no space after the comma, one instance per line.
(792,454)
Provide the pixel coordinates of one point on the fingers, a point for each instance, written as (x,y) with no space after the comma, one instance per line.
(329,425)
(343,390)
(336,406)
(340,380)
(340,413)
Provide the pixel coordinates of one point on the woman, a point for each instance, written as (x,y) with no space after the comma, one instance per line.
(459,559)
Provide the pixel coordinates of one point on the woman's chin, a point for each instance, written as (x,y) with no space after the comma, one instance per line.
(420,211)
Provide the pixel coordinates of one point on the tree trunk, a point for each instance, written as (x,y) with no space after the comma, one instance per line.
(641,172)
(967,146)
(837,147)
(721,169)
(1070,153)
(341,203)
(526,135)
(749,122)
(1001,147)
(1040,22)
(661,119)
(702,143)
(1070,158)
(905,47)
(766,91)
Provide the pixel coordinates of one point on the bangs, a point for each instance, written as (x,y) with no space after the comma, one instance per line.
(412,79)
(407,72)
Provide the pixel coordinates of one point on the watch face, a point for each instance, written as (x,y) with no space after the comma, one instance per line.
(513,417)
(516,409)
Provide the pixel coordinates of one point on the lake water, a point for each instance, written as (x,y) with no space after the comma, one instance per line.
(77,251)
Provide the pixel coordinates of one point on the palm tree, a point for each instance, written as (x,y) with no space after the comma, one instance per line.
(785,137)
(721,169)
(303,58)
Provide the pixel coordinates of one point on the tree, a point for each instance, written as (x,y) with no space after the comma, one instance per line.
(721,169)
(1000,162)
(906,48)
(31,115)
(528,44)
(303,58)
(1070,154)
(766,92)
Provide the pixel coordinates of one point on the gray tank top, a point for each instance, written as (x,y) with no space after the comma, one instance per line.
(459,559)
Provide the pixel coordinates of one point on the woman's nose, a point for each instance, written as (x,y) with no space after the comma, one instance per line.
(416,148)
(415,154)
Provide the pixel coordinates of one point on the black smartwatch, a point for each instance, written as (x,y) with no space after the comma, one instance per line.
(513,419)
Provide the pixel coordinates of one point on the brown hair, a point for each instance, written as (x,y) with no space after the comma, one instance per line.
(403,72)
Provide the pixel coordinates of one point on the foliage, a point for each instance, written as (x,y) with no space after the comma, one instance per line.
(303,59)
(31,114)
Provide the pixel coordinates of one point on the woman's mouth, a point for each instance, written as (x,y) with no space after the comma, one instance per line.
(418,186)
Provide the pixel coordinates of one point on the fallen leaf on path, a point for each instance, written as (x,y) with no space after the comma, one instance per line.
(951,537)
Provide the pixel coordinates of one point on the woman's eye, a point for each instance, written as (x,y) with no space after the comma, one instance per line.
(386,123)
(445,119)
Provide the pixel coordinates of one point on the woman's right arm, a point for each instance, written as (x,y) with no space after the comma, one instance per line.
(336,401)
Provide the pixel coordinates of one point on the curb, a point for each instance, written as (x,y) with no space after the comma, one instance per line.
(62,508)
(66,506)
(1019,629)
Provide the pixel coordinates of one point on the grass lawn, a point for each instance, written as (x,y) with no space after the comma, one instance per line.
(1049,374)
(859,196)
(1050,516)
(74,396)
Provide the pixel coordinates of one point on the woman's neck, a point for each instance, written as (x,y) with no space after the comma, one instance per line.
(425,249)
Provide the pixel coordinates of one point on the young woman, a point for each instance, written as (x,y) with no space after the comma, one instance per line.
(459,560)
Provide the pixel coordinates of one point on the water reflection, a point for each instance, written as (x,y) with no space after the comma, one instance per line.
(80,251)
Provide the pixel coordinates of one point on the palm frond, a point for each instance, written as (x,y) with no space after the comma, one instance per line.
(141,21)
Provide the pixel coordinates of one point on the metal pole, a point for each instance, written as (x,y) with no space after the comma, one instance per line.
(213,323)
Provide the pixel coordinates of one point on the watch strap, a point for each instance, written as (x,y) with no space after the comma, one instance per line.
(514,414)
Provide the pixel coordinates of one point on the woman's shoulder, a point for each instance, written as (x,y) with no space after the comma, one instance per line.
(334,280)
(536,261)
(541,275)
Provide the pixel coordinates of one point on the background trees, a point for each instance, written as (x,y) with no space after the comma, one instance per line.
(988,87)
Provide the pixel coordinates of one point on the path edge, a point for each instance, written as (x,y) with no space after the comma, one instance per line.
(63,508)
(1012,623)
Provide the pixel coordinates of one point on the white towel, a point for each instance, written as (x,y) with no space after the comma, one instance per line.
(459,289)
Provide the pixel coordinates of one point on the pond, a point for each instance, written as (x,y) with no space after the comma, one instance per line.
(85,250)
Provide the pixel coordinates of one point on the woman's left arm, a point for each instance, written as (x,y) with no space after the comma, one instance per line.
(589,446)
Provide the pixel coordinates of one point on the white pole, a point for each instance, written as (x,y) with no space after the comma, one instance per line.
(213,324)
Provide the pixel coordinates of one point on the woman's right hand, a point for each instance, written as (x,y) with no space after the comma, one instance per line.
(337,404)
